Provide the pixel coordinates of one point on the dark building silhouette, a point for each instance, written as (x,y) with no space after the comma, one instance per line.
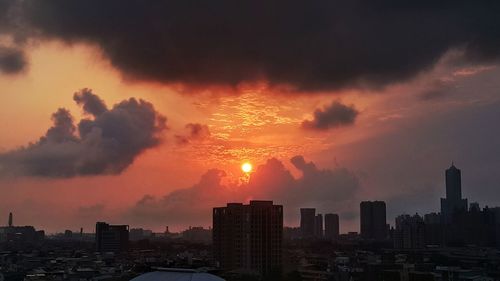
(373,223)
(318,226)
(332,229)
(111,238)
(249,236)
(20,234)
(307,222)
(453,202)
(433,229)
(409,232)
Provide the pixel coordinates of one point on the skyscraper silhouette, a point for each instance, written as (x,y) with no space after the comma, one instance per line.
(453,202)
(11,222)
(331,226)
(318,226)
(307,222)
(111,238)
(373,220)
(249,236)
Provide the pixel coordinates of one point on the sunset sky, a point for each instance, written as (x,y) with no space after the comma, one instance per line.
(332,102)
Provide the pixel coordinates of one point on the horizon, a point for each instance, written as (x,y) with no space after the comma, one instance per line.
(390,221)
(123,111)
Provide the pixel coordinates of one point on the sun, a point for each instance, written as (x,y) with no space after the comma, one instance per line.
(246,167)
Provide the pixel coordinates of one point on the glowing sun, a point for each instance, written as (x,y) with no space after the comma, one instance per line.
(246,167)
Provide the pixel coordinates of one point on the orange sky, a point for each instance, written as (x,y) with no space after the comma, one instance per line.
(251,125)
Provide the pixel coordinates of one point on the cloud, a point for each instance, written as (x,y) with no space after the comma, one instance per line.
(308,45)
(197,132)
(330,190)
(12,60)
(106,144)
(332,116)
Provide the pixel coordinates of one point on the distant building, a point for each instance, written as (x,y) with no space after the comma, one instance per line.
(307,222)
(318,226)
(249,237)
(332,229)
(140,234)
(20,234)
(197,234)
(409,232)
(433,229)
(111,238)
(373,224)
(453,203)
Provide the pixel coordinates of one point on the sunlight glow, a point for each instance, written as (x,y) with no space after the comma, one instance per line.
(246,167)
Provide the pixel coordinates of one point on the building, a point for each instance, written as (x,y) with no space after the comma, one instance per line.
(453,202)
(318,226)
(20,234)
(111,238)
(373,224)
(409,232)
(332,229)
(433,229)
(307,222)
(136,234)
(249,236)
(197,234)
(177,274)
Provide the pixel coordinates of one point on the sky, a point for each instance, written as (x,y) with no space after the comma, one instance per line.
(143,113)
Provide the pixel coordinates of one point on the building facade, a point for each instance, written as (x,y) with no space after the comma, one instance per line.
(332,229)
(111,238)
(453,203)
(373,224)
(249,236)
(307,222)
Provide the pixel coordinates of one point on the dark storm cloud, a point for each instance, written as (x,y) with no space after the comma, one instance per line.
(310,45)
(329,190)
(332,116)
(197,132)
(12,60)
(91,103)
(106,144)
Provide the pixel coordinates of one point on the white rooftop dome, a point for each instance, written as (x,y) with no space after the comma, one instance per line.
(177,275)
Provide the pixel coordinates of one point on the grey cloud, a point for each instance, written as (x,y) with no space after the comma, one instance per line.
(91,103)
(12,60)
(309,45)
(196,132)
(329,190)
(332,116)
(106,144)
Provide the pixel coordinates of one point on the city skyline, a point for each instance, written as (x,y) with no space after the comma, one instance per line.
(134,112)
(314,225)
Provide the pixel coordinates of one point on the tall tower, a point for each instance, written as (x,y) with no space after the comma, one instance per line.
(10,220)
(249,236)
(453,183)
(453,202)
(331,226)
(373,223)
(307,222)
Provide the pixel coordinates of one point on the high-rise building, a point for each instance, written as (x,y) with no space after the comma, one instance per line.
(11,223)
(373,222)
(249,236)
(307,222)
(111,238)
(332,229)
(409,232)
(318,226)
(453,202)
